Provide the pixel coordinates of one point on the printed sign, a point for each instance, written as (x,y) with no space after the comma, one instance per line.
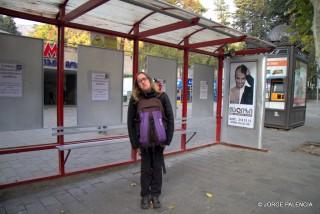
(100,86)
(10,80)
(276,67)
(203,90)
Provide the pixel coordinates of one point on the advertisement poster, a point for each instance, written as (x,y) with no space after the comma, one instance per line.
(100,86)
(242,94)
(277,67)
(203,90)
(275,77)
(300,81)
(10,80)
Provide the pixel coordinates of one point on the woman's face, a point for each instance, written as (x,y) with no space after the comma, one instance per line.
(143,82)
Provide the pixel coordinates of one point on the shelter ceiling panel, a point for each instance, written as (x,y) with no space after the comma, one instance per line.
(44,8)
(165,8)
(113,15)
(156,20)
(220,28)
(210,48)
(181,13)
(157,5)
(73,4)
(175,36)
(206,35)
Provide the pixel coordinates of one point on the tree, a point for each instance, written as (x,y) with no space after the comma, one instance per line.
(191,5)
(301,15)
(7,24)
(316,32)
(222,9)
(276,13)
(250,17)
(172,53)
(73,37)
(103,41)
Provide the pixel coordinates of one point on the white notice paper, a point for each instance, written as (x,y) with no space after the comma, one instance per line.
(203,90)
(10,80)
(100,87)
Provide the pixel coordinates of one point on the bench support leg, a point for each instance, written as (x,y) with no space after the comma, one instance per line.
(65,160)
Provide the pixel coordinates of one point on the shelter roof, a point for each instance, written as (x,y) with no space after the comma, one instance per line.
(148,20)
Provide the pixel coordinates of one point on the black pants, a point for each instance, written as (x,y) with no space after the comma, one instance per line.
(151,171)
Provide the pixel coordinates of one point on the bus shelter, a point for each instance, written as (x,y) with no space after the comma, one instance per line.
(148,21)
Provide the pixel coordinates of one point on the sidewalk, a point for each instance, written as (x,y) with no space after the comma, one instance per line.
(283,181)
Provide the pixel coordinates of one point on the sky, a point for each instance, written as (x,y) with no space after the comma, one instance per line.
(209,4)
(24,25)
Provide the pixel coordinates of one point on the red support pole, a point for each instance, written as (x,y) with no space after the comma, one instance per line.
(219,100)
(60,93)
(185,94)
(135,72)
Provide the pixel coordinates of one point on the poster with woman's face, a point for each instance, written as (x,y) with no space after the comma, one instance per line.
(300,80)
(242,94)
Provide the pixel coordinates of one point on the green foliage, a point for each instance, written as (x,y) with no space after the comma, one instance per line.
(103,41)
(7,24)
(48,32)
(172,53)
(77,37)
(301,13)
(301,16)
(251,17)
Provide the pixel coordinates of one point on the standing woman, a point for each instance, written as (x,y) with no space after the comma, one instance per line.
(145,95)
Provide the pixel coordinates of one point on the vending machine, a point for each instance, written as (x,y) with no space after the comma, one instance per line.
(285,93)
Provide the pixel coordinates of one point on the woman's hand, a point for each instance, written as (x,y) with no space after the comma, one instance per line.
(139,151)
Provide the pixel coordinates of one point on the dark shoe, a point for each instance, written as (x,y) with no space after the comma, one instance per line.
(145,202)
(155,202)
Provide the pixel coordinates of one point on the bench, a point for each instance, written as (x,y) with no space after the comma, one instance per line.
(97,142)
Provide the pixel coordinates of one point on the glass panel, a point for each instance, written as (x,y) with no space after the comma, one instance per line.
(300,81)
(47,8)
(113,15)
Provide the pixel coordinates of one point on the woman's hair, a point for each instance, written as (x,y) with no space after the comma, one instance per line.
(136,91)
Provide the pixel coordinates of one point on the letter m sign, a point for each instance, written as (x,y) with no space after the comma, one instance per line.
(50,51)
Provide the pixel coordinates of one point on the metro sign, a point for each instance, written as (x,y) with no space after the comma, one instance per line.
(50,53)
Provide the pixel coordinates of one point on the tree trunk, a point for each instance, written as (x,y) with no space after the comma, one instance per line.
(316,30)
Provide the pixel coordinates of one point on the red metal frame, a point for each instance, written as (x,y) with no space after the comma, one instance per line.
(167,28)
(135,71)
(219,99)
(28,16)
(30,148)
(252,51)
(60,93)
(185,94)
(217,42)
(82,9)
(191,34)
(63,21)
(145,17)
(123,163)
